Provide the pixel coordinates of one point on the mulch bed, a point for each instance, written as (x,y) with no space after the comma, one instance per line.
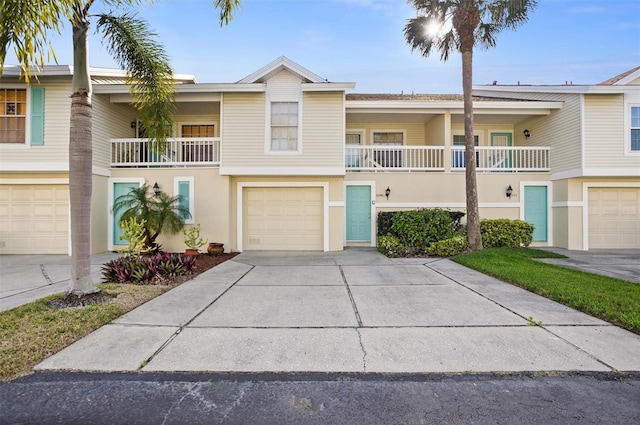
(204,262)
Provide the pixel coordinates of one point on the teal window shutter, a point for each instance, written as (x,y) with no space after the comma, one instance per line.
(183,191)
(37,116)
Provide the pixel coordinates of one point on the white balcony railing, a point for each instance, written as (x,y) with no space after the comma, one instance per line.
(503,158)
(180,151)
(398,158)
(431,158)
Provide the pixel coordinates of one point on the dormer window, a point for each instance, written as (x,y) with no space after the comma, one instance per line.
(284,126)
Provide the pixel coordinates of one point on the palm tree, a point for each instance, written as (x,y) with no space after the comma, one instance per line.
(473,22)
(160,212)
(27,25)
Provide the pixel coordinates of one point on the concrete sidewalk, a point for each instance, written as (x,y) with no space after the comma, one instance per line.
(26,278)
(350,311)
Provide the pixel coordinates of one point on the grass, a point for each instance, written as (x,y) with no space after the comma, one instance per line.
(34,331)
(613,300)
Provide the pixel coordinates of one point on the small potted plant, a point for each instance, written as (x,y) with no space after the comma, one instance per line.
(192,240)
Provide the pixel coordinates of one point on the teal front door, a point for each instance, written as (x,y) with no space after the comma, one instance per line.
(118,190)
(535,211)
(358,213)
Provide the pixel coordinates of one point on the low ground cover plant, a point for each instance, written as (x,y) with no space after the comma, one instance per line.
(151,269)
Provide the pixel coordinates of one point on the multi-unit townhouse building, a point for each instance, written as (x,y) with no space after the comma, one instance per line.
(284,159)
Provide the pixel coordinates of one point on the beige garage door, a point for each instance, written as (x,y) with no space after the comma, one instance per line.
(277,218)
(34,219)
(614,218)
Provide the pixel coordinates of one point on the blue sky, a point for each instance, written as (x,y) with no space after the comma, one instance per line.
(361,41)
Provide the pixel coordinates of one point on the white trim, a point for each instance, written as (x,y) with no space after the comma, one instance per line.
(458,132)
(110,182)
(627,128)
(268,126)
(192,203)
(629,78)
(278,65)
(240,191)
(583,142)
(373,131)
(34,166)
(571,89)
(585,204)
(178,130)
(569,174)
(27,117)
(34,181)
(99,171)
(372,202)
(336,204)
(549,186)
(282,171)
(611,172)
(567,204)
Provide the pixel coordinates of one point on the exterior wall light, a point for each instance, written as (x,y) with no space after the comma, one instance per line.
(387,192)
(156,188)
(133,124)
(509,191)
(526,133)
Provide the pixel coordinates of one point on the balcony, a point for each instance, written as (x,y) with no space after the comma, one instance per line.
(489,159)
(180,152)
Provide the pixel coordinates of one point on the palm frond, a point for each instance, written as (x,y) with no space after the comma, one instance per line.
(133,46)
(227,8)
(27,25)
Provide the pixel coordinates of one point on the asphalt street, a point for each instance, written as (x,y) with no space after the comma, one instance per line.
(372,399)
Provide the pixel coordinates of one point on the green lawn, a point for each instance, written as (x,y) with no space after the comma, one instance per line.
(614,300)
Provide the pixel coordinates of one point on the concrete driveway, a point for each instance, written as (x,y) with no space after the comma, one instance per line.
(351,311)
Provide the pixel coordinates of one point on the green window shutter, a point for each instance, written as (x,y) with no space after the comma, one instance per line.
(37,116)
(183,191)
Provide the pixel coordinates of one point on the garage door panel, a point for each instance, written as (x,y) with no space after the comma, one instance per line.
(614,218)
(34,219)
(281,218)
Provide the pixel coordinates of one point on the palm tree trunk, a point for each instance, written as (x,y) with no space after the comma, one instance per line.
(474,238)
(80,166)
(465,21)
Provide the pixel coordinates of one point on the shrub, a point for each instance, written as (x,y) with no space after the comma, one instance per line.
(385,219)
(505,232)
(418,228)
(147,270)
(448,247)
(390,246)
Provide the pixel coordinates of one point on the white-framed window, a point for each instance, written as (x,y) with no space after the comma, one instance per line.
(13,115)
(386,156)
(194,150)
(634,130)
(284,126)
(352,155)
(184,187)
